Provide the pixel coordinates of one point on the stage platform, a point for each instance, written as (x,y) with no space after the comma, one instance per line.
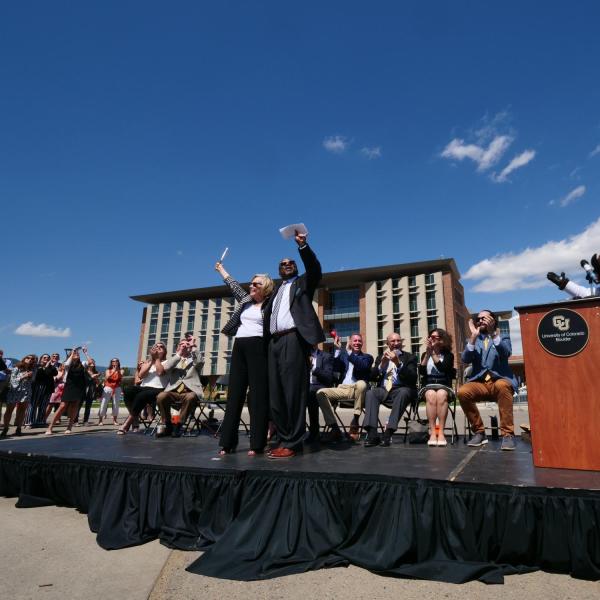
(449,514)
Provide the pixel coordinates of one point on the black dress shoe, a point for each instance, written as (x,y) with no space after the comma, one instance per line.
(177,431)
(560,280)
(372,441)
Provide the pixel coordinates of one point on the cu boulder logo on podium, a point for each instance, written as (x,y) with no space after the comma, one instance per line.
(563,332)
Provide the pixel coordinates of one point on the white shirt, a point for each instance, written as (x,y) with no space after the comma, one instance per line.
(153,380)
(251,322)
(284,316)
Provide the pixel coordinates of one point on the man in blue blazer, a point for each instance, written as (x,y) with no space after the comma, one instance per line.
(355,367)
(491,378)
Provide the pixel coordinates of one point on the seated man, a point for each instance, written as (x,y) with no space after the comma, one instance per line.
(321,375)
(355,367)
(396,373)
(491,378)
(573,289)
(183,390)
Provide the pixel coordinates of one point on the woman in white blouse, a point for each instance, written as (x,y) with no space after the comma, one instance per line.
(437,371)
(248,371)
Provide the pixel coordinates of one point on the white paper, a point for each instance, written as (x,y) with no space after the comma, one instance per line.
(289,231)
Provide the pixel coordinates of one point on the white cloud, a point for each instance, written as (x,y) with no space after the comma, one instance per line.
(571,196)
(371,153)
(484,157)
(595,151)
(42,330)
(336,144)
(527,269)
(516,163)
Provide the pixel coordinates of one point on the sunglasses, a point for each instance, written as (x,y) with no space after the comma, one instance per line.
(287,263)
(256,284)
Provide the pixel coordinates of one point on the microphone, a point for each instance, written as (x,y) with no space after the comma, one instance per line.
(590,274)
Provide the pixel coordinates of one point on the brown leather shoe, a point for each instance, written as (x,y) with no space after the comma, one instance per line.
(281,453)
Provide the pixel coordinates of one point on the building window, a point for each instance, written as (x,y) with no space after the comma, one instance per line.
(396,304)
(412,302)
(202,343)
(504,327)
(395,284)
(204,322)
(414,328)
(215,341)
(154,309)
(152,329)
(430,298)
(379,306)
(218,302)
(429,279)
(412,281)
(379,285)
(179,306)
(177,325)
(431,322)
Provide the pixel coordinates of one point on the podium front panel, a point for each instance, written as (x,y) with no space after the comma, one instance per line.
(561,351)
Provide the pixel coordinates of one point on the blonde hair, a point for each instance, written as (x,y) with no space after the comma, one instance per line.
(267,284)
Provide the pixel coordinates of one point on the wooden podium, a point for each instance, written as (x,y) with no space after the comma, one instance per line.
(561,351)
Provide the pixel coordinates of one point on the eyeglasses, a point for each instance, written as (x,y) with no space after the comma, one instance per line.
(287,263)
(256,283)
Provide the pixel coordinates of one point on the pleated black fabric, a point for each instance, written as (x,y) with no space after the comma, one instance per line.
(258,525)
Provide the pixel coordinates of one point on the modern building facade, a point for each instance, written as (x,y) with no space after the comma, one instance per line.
(409,299)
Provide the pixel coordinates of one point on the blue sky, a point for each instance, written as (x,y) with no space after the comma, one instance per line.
(137,140)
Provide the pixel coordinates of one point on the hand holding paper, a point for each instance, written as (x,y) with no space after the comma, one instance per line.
(290,231)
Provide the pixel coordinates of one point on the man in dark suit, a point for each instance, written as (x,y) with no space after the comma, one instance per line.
(491,378)
(321,376)
(396,374)
(292,328)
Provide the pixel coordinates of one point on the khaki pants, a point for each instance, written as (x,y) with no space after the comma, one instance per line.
(186,400)
(500,391)
(354,391)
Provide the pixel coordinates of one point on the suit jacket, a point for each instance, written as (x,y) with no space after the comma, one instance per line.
(190,376)
(243,299)
(407,374)
(494,360)
(301,295)
(323,372)
(446,367)
(361,362)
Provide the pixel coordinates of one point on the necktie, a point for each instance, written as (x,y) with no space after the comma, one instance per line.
(276,305)
(486,343)
(181,387)
(389,377)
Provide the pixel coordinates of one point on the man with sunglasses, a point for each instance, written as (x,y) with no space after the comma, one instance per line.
(491,378)
(292,328)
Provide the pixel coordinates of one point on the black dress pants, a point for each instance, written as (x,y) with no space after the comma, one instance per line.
(288,387)
(137,397)
(313,407)
(248,373)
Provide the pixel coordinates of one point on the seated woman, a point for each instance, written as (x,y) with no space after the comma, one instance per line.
(437,371)
(151,379)
(248,372)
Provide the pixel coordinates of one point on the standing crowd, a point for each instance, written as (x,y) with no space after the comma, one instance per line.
(38,391)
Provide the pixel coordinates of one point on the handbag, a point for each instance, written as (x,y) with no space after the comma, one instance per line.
(418,431)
